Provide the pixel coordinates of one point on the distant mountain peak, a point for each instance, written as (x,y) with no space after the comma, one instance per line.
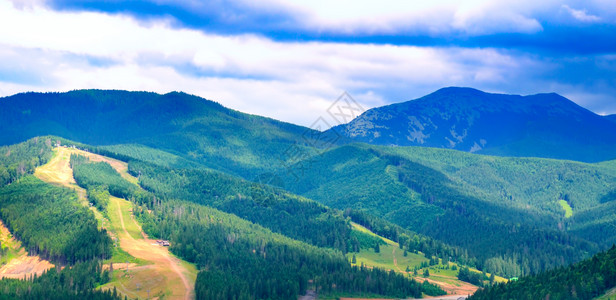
(467,119)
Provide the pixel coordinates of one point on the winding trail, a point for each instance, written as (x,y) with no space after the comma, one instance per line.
(148,250)
(164,274)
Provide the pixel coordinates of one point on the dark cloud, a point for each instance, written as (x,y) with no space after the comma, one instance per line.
(561,32)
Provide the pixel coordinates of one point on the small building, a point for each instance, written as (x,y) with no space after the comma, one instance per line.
(162,243)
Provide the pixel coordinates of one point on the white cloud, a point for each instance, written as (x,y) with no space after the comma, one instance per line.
(581,15)
(437,17)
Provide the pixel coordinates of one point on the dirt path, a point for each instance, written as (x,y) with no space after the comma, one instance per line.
(462,289)
(167,275)
(456,290)
(22,265)
(148,250)
(393,253)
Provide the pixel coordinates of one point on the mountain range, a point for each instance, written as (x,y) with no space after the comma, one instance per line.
(510,185)
(542,125)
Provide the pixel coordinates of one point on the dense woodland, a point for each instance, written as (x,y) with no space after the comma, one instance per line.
(241,260)
(50,222)
(410,240)
(91,175)
(584,280)
(527,247)
(21,159)
(201,130)
(262,264)
(425,200)
(499,214)
(273,208)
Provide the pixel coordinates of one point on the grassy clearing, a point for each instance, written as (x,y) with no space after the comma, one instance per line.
(385,259)
(391,257)
(117,204)
(157,274)
(609,295)
(366,230)
(121,256)
(567,208)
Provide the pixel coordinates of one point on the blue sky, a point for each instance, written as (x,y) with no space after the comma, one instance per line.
(291,60)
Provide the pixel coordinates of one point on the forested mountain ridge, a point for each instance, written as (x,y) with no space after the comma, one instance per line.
(49,222)
(195,128)
(237,258)
(471,201)
(584,280)
(542,125)
(190,152)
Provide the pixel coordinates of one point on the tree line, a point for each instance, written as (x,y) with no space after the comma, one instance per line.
(21,159)
(50,222)
(72,283)
(584,280)
(242,260)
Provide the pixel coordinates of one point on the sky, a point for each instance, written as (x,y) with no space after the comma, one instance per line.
(290,60)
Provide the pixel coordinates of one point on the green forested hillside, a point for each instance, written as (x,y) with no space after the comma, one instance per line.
(273,208)
(194,128)
(21,159)
(94,174)
(503,215)
(530,183)
(468,200)
(74,283)
(245,261)
(584,280)
(241,260)
(51,223)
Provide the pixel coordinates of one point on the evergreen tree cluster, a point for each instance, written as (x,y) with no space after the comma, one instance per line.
(511,238)
(91,175)
(50,222)
(471,277)
(584,280)
(21,159)
(409,240)
(71,283)
(99,196)
(273,208)
(242,260)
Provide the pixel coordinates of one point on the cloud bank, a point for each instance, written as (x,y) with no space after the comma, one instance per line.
(290,61)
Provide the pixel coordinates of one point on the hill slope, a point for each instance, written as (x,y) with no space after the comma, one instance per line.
(584,280)
(473,201)
(542,125)
(195,128)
